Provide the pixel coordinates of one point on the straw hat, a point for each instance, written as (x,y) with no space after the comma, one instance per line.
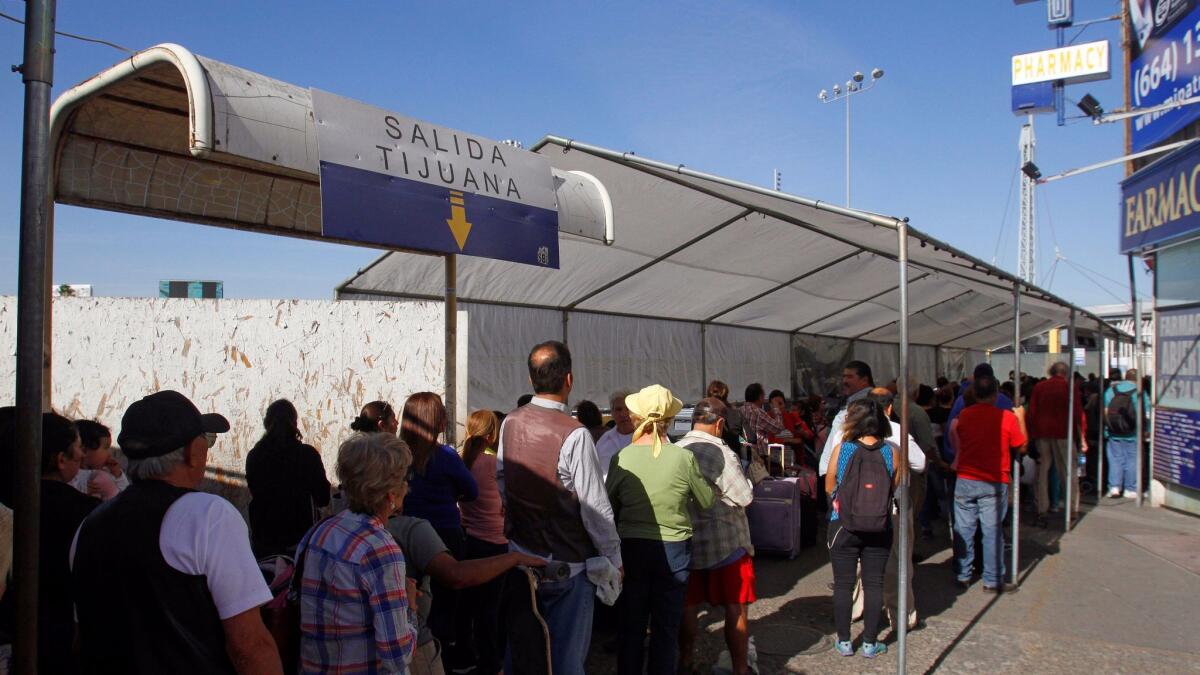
(653,404)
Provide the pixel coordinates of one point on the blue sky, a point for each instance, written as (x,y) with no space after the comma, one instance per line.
(726,87)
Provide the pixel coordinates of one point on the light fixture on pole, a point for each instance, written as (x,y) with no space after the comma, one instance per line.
(853,86)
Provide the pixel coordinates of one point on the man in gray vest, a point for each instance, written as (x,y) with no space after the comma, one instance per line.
(556,506)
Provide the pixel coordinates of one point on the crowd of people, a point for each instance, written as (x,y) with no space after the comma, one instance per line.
(491,557)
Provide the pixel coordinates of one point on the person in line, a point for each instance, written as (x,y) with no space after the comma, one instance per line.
(589,416)
(856,383)
(556,506)
(356,613)
(617,437)
(722,569)
(796,433)
(859,462)
(483,522)
(1002,401)
(1121,408)
(63,509)
(1047,421)
(758,423)
(166,565)
(937,496)
(650,485)
(916,467)
(440,481)
(100,474)
(287,483)
(733,417)
(523,400)
(986,436)
(376,416)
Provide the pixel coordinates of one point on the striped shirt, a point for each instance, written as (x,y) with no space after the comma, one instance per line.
(354,611)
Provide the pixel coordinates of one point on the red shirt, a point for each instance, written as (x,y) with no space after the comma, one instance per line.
(1048,409)
(985,436)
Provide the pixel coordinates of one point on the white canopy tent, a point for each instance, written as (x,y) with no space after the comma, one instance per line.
(711,278)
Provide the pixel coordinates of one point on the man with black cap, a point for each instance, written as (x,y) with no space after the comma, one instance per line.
(164,580)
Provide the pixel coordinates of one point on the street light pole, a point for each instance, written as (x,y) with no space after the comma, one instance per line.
(853,86)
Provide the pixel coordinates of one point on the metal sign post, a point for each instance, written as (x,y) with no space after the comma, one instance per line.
(1141,374)
(451,309)
(1016,460)
(1103,421)
(904,552)
(1069,473)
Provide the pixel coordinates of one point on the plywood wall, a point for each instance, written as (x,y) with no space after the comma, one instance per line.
(235,357)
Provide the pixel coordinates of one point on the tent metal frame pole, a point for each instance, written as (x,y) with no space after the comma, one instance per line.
(1141,375)
(1016,460)
(703,360)
(904,553)
(919,311)
(642,268)
(789,282)
(1103,421)
(566,324)
(33,307)
(1069,474)
(864,301)
(451,269)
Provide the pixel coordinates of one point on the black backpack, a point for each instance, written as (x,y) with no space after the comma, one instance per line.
(1119,414)
(864,497)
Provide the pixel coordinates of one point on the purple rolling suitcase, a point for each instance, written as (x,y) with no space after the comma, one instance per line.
(774,517)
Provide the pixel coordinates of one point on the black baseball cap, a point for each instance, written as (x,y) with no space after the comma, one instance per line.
(164,422)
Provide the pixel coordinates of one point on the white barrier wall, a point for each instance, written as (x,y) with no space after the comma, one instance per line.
(235,357)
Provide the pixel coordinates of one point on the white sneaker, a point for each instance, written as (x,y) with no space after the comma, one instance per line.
(1114,493)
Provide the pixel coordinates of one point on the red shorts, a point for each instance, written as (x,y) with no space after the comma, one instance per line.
(732,584)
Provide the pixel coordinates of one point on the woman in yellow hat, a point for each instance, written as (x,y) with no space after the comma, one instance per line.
(649,484)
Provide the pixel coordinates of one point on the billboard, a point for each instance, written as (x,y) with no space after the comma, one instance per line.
(398,182)
(1164,66)
(1162,201)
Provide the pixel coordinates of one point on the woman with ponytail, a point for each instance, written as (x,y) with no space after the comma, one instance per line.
(478,618)
(287,483)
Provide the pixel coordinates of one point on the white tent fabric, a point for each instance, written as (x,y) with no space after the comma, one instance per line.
(738,357)
(702,250)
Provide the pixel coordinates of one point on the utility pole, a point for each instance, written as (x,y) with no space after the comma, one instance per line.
(1027,238)
(37,73)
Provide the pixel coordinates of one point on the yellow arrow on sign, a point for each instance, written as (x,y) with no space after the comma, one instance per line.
(457,221)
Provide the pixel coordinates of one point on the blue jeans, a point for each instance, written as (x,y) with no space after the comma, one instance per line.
(986,503)
(656,582)
(1122,463)
(567,608)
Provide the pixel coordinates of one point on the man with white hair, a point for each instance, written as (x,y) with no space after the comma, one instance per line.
(619,436)
(163,575)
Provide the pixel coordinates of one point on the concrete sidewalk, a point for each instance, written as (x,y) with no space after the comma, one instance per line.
(1090,601)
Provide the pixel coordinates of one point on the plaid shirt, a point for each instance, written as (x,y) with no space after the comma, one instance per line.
(354,611)
(759,422)
(721,530)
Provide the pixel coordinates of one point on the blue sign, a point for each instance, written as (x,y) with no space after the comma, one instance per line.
(1176,446)
(1029,99)
(1162,201)
(1059,13)
(1164,67)
(1177,357)
(397,182)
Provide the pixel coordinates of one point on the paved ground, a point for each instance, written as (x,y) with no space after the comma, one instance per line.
(1113,596)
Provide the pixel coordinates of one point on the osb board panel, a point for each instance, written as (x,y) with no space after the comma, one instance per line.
(235,357)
